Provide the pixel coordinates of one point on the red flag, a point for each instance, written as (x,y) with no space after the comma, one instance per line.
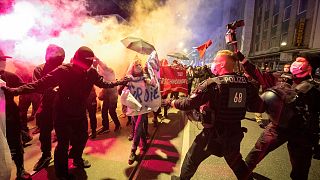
(173,79)
(202,48)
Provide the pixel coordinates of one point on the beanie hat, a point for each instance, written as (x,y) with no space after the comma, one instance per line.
(54,52)
(313,59)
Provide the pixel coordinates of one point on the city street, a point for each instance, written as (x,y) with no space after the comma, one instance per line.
(109,153)
(68,59)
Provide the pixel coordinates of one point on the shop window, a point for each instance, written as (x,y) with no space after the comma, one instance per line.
(287,3)
(276,6)
(286,14)
(302,6)
(275,19)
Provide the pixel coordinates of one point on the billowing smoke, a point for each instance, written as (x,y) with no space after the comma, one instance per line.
(33,24)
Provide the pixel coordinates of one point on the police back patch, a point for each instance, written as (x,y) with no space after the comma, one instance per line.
(237,98)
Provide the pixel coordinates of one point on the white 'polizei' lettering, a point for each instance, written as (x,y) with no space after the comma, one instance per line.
(234,79)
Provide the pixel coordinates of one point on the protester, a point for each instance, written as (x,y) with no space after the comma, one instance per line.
(109,96)
(13,122)
(190,76)
(226,98)
(54,58)
(25,101)
(75,81)
(145,97)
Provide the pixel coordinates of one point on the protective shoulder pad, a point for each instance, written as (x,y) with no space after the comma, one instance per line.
(206,84)
(304,86)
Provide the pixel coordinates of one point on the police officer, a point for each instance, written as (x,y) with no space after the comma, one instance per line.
(13,123)
(54,58)
(75,81)
(227,97)
(294,114)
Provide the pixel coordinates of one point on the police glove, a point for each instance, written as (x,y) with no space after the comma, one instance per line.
(9,91)
(240,56)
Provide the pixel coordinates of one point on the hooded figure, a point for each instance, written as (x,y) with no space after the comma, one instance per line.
(54,58)
(13,128)
(75,81)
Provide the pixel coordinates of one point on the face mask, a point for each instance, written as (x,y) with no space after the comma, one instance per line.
(214,68)
(300,69)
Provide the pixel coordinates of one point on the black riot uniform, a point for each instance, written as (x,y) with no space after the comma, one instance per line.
(75,82)
(227,97)
(294,115)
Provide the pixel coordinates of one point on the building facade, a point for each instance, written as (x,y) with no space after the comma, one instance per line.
(282,29)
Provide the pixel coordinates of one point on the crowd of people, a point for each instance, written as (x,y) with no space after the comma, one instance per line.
(63,94)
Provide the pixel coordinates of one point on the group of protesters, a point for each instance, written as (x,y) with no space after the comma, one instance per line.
(62,94)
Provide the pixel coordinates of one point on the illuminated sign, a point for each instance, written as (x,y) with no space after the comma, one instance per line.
(300,32)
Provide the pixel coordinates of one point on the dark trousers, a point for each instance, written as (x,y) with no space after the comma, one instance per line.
(133,125)
(69,130)
(138,122)
(215,142)
(13,133)
(25,102)
(111,108)
(92,111)
(45,119)
(299,147)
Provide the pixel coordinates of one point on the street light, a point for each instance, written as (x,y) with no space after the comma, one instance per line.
(283,43)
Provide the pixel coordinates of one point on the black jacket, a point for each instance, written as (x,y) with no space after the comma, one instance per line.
(74,88)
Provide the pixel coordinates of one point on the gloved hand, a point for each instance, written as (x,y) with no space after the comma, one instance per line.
(9,91)
(240,56)
(124,80)
(166,102)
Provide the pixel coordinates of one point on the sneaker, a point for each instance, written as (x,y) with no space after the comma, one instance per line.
(23,175)
(93,134)
(104,130)
(132,157)
(117,128)
(81,163)
(262,125)
(36,131)
(130,137)
(43,162)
